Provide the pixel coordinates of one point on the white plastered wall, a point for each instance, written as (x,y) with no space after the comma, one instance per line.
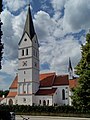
(44,97)
(59,99)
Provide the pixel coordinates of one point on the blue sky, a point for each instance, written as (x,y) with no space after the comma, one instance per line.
(61,26)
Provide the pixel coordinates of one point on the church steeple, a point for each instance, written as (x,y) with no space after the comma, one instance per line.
(28,63)
(70,69)
(29,27)
(70,65)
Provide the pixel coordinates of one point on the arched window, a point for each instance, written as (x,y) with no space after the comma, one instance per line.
(10,102)
(39,102)
(20,89)
(47,102)
(44,103)
(24,99)
(63,94)
(24,72)
(24,88)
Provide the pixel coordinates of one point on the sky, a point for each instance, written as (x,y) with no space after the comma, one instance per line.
(61,27)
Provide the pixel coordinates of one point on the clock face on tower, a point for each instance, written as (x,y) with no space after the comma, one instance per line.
(24,63)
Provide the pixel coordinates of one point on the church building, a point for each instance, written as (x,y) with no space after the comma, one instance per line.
(29,86)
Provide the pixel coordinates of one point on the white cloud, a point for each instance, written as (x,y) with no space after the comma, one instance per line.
(58,5)
(9,67)
(56,54)
(44,25)
(14,5)
(76,15)
(18,24)
(55,48)
(2,83)
(8,34)
(12,32)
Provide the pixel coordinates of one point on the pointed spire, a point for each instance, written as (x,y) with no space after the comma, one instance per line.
(70,69)
(29,27)
(70,65)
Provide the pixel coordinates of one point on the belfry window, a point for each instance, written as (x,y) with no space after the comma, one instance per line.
(35,64)
(26,51)
(63,94)
(22,52)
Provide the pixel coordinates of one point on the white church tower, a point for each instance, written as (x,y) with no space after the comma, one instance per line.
(28,61)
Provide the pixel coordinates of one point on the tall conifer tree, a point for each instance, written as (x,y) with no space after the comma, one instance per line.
(81,95)
(1,45)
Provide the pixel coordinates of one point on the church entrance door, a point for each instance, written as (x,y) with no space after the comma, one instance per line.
(10,102)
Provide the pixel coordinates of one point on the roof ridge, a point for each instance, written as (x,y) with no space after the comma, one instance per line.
(48,73)
(13,83)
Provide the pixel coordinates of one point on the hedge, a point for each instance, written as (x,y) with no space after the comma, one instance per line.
(44,109)
(5,115)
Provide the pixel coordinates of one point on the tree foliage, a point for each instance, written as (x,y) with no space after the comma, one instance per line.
(5,93)
(1,45)
(81,95)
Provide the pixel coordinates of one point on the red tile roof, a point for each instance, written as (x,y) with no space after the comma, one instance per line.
(53,80)
(61,80)
(44,75)
(47,81)
(1,98)
(14,83)
(12,94)
(46,91)
(73,83)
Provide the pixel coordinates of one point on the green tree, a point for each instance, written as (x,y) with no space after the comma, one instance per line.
(1,93)
(81,94)
(5,93)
